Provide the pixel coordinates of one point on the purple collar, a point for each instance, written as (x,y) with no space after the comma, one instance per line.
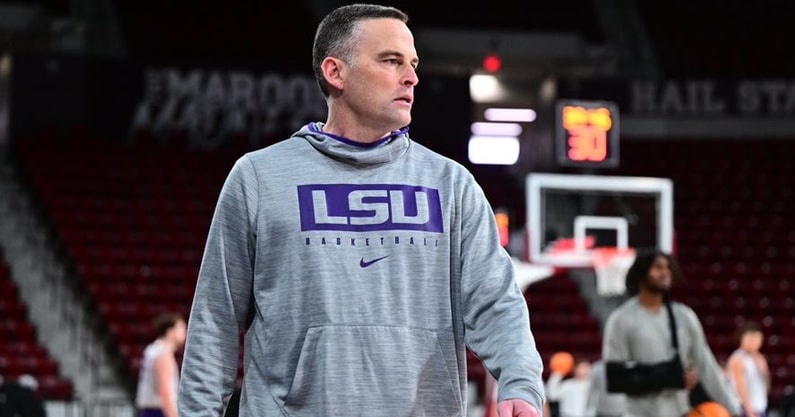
(387,138)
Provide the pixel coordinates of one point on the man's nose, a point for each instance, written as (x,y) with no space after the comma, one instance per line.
(411,78)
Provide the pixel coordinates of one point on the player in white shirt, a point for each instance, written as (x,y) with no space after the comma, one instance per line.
(748,371)
(158,379)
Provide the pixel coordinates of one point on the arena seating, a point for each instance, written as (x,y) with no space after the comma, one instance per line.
(561,321)
(20,350)
(735,242)
(134,221)
(736,236)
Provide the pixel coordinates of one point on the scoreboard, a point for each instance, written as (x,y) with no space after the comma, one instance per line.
(586,134)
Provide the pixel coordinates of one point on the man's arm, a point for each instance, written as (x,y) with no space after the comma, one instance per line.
(615,346)
(496,317)
(221,303)
(738,374)
(164,368)
(708,369)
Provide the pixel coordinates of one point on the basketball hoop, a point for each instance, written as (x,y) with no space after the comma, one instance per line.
(611,265)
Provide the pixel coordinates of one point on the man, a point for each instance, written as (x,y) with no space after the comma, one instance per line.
(639,331)
(158,379)
(359,263)
(748,371)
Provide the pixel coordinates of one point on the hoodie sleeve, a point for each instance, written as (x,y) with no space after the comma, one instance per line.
(496,317)
(709,372)
(222,298)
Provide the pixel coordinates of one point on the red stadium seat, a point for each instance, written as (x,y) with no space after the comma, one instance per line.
(735,247)
(20,351)
(134,222)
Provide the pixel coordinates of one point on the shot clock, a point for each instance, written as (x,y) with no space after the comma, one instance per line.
(586,134)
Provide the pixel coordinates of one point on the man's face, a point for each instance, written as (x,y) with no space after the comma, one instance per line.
(378,87)
(752,341)
(659,276)
(179,332)
(582,370)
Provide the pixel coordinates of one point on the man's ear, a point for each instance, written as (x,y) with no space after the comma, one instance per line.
(333,71)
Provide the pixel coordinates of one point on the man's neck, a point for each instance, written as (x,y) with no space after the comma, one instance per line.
(346,124)
(170,345)
(652,301)
(359,134)
(749,351)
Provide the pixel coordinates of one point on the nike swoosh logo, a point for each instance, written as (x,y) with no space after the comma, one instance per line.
(364,264)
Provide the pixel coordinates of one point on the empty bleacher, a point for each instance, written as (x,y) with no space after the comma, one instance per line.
(735,239)
(20,350)
(134,221)
(735,236)
(561,320)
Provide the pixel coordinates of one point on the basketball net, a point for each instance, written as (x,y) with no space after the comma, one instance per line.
(611,265)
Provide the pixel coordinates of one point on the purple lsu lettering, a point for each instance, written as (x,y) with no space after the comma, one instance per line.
(370,207)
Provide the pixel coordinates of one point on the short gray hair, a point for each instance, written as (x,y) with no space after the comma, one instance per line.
(336,34)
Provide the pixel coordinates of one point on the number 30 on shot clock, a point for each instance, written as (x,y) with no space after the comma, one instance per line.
(586,134)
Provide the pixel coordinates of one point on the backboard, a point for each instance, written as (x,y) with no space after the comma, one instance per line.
(570,216)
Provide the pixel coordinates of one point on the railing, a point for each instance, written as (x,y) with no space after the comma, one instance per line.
(61,296)
(52,278)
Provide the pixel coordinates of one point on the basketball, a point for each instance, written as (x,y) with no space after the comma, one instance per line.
(709,409)
(561,363)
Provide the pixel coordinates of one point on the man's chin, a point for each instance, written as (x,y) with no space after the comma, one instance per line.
(659,289)
(405,121)
(396,123)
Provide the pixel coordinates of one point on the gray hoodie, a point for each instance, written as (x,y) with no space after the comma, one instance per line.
(359,274)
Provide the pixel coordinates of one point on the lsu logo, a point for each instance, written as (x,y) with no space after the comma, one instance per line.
(369,207)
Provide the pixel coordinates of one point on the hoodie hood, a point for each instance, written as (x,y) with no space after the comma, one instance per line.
(384,150)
